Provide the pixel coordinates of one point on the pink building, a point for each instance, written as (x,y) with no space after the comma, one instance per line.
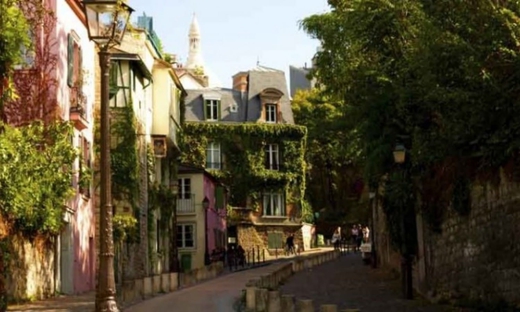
(198,223)
(76,64)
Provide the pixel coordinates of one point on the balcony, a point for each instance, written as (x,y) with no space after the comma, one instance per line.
(78,112)
(186,204)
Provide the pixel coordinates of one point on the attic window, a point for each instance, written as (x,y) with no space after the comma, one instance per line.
(233,108)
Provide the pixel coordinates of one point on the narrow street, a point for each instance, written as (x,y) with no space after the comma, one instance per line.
(349,284)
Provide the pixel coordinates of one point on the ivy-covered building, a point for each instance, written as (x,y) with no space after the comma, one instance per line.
(246,137)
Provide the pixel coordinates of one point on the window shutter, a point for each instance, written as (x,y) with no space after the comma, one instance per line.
(219,114)
(70,60)
(280,157)
(205,109)
(219,196)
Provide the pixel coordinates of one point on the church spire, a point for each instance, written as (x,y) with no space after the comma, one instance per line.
(194,55)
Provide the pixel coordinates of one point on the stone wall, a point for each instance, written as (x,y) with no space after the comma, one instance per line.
(253,236)
(475,257)
(478,256)
(31,268)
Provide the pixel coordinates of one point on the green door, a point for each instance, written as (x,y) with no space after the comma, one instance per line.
(186,262)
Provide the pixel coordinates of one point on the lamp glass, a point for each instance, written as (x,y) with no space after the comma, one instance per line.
(205,203)
(371,195)
(106,20)
(399,154)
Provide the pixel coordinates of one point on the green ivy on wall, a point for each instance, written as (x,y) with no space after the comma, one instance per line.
(36,176)
(242,148)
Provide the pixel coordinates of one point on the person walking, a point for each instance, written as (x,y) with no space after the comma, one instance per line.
(336,238)
(289,244)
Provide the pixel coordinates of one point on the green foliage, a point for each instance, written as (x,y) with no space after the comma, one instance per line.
(439,77)
(35,176)
(162,199)
(244,163)
(125,228)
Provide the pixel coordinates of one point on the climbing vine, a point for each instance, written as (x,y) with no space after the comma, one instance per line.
(243,166)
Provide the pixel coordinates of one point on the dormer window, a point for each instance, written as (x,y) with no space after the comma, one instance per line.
(233,108)
(270,113)
(211,110)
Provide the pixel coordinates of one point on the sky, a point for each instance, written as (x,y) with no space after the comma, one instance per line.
(235,34)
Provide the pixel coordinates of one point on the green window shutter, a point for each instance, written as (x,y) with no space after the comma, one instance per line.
(205,109)
(219,197)
(70,60)
(219,114)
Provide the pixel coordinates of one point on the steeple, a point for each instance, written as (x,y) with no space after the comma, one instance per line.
(194,55)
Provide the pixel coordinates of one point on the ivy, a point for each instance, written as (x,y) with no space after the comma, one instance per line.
(35,176)
(244,160)
(125,228)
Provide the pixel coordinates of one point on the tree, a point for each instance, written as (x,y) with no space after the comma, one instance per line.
(332,155)
(439,76)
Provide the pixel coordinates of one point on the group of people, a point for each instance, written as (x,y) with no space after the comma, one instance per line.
(358,235)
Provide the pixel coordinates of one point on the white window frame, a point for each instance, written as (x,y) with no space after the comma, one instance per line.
(273,155)
(270,113)
(184,188)
(213,156)
(213,105)
(272,198)
(182,233)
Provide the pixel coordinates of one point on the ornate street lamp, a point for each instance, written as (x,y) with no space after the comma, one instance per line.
(205,206)
(106,22)
(406,261)
(399,154)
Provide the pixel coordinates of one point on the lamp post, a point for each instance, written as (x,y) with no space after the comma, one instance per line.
(406,261)
(106,22)
(174,257)
(371,197)
(205,206)
(316,215)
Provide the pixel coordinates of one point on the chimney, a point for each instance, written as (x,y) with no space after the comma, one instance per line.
(240,81)
(205,81)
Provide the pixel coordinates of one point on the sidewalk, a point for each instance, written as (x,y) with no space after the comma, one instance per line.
(228,286)
(349,284)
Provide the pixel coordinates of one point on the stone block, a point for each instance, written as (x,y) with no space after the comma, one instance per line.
(274,303)
(251,298)
(156,284)
(329,308)
(165,282)
(139,289)
(261,297)
(288,303)
(174,281)
(147,287)
(305,305)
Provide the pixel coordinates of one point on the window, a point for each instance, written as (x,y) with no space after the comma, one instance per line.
(270,113)
(185,236)
(213,156)
(233,108)
(271,157)
(74,61)
(274,205)
(212,110)
(184,188)
(275,240)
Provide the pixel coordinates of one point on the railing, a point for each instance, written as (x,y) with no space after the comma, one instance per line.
(186,205)
(213,165)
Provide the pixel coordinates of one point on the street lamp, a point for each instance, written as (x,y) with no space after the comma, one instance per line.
(406,261)
(106,22)
(174,257)
(371,197)
(205,206)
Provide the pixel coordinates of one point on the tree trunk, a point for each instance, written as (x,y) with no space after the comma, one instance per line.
(3,290)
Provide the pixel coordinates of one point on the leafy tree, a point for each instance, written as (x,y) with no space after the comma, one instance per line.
(440,77)
(333,156)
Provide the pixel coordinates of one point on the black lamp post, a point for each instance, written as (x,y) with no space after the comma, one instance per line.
(205,206)
(174,257)
(106,22)
(371,197)
(406,261)
(316,215)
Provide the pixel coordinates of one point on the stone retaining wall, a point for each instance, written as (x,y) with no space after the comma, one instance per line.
(137,290)
(262,294)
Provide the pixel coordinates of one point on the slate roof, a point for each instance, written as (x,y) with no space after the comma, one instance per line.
(248,103)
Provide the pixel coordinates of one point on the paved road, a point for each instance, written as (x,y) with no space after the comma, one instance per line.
(350,284)
(216,295)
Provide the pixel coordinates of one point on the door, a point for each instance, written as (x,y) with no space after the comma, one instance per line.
(66,260)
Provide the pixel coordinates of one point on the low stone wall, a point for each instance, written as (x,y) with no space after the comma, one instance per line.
(137,290)
(262,294)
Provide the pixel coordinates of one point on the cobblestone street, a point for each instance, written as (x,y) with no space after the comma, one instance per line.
(350,284)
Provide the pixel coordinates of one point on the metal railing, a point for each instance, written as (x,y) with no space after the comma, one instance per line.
(186,205)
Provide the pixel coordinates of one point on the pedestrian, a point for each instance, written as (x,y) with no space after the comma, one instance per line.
(354,235)
(366,234)
(359,237)
(336,238)
(289,244)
